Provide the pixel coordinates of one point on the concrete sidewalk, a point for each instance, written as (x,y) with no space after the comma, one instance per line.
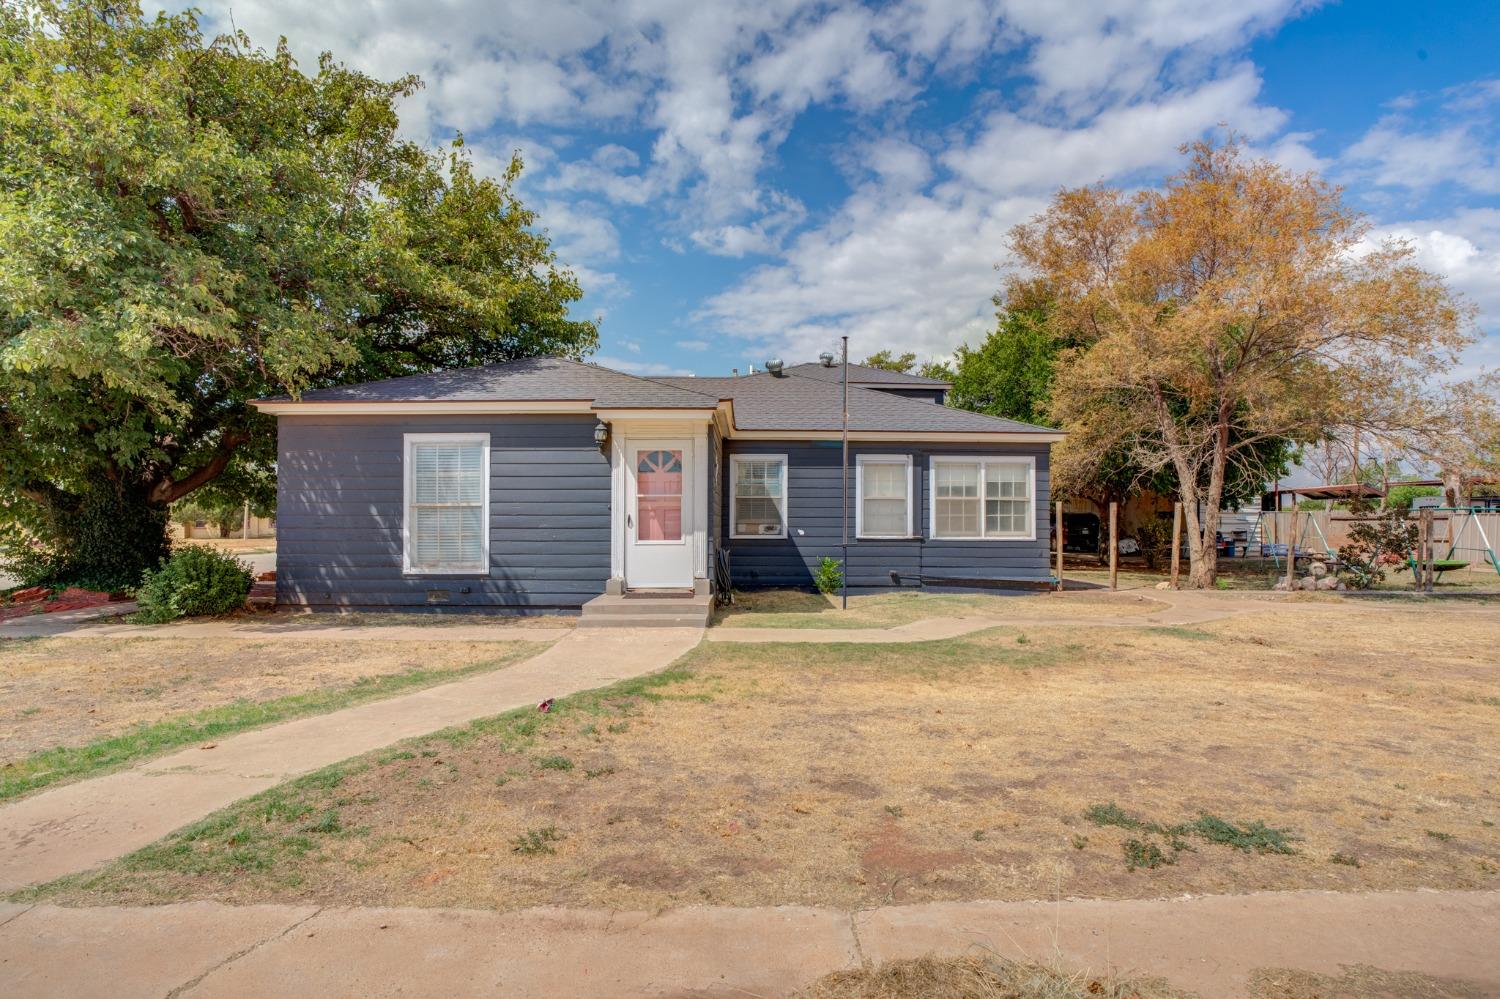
(1209,945)
(80,825)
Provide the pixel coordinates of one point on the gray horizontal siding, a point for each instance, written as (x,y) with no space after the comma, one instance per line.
(814,495)
(338,517)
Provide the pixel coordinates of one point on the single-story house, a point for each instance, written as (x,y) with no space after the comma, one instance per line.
(540,484)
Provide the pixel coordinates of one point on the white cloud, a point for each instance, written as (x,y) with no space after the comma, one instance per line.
(1013,153)
(1428,141)
(904,267)
(1464,248)
(631,367)
(693,345)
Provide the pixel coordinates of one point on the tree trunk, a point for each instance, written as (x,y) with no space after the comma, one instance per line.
(106,538)
(1205,567)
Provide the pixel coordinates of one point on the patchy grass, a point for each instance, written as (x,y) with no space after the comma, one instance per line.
(980,977)
(145,719)
(797,609)
(375,619)
(537,841)
(760,774)
(1358,981)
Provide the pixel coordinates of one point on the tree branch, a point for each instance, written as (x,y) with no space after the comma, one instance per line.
(171,490)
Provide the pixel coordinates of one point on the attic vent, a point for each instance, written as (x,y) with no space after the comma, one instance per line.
(827,358)
(774,366)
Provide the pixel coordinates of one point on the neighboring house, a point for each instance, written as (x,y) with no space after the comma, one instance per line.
(540,484)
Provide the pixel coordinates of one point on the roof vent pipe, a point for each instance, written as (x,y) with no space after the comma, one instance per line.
(774,366)
(827,358)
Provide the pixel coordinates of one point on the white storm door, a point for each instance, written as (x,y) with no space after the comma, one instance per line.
(658,514)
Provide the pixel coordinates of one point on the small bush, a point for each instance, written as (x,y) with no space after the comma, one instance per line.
(194,580)
(830,575)
(555,762)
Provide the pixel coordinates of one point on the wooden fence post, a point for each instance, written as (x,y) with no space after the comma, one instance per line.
(1176,542)
(1059,546)
(1291,552)
(1114,546)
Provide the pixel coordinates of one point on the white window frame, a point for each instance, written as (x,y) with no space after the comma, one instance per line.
(786,496)
(408,470)
(982,460)
(860,461)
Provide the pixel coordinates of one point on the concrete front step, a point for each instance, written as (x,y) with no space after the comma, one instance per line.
(644,621)
(617,611)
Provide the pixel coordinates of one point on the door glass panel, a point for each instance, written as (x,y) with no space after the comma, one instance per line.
(658,495)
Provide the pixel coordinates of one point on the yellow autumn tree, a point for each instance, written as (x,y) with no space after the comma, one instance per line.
(1238,304)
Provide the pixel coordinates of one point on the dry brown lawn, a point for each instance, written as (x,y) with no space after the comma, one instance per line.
(859,775)
(797,609)
(71,691)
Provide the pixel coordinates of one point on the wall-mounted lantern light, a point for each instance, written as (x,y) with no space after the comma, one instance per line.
(601,434)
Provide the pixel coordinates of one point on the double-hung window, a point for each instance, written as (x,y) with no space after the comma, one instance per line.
(757,497)
(883,504)
(445,520)
(989,498)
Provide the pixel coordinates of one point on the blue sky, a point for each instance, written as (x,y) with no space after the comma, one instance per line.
(742,179)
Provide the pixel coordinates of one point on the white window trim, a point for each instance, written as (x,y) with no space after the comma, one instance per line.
(786,496)
(859,494)
(408,469)
(982,459)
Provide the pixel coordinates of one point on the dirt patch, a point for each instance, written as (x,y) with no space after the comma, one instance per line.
(297,619)
(843,775)
(68,692)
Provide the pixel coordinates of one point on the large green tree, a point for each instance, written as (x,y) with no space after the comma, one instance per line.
(188,223)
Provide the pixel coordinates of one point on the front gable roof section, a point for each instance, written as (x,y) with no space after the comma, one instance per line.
(792,405)
(539,384)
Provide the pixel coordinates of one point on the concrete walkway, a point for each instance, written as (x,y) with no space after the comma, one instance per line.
(80,825)
(1180,609)
(1209,945)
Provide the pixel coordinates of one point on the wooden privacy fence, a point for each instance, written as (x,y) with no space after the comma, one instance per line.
(1326,530)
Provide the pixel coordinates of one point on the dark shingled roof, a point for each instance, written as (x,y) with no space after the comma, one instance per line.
(538,379)
(860,374)
(793,402)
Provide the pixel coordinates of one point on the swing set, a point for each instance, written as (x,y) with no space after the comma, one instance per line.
(1466,537)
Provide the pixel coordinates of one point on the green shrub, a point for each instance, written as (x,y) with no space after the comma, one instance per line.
(830,575)
(1375,545)
(1154,536)
(194,580)
(1400,497)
